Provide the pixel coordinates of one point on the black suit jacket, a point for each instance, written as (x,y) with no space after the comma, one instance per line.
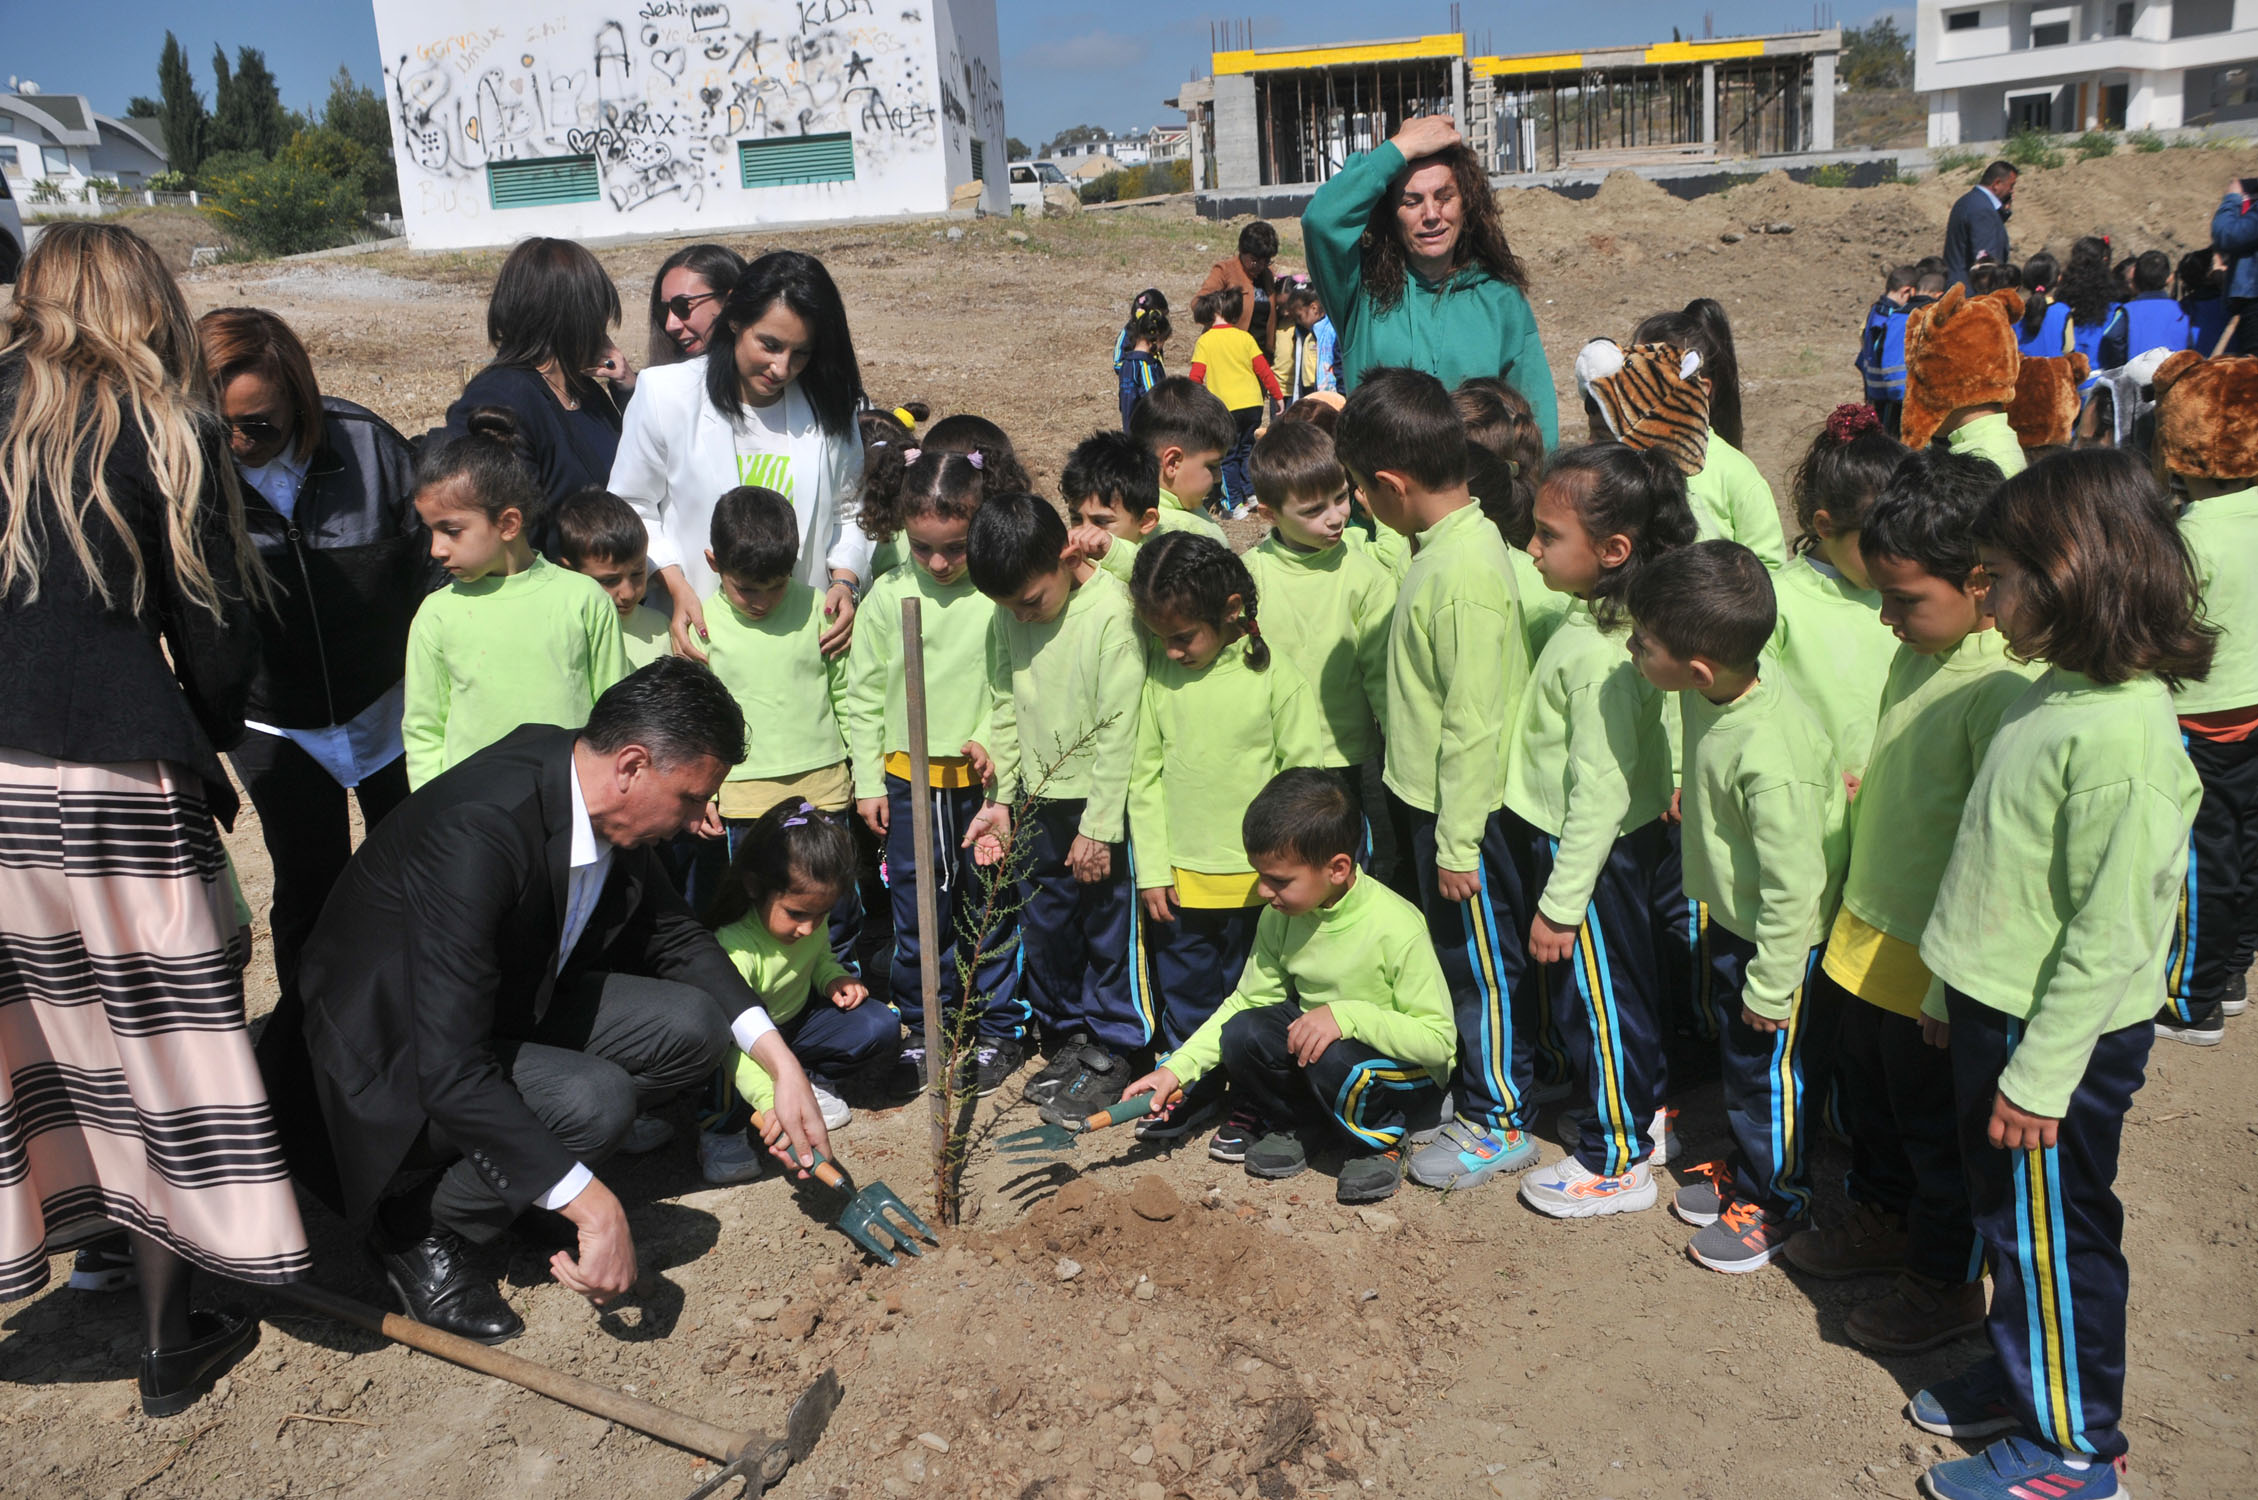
(441,937)
(1975,228)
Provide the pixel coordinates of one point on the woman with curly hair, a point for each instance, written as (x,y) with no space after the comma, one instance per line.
(1412,264)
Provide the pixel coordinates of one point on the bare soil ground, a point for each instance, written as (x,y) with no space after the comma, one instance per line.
(1221,1337)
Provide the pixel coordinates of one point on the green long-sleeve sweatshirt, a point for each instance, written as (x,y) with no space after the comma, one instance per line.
(776,670)
(955,619)
(537,647)
(1589,760)
(1831,645)
(2222,537)
(2059,904)
(1542,610)
(1766,832)
(1991,436)
(1327,613)
(1471,324)
(1369,956)
(1051,686)
(1207,742)
(789,977)
(1732,499)
(1458,661)
(1171,514)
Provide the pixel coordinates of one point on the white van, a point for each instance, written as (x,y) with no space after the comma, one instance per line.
(1028,179)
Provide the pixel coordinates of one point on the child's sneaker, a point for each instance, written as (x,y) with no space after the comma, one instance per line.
(728,1157)
(1570,1190)
(1975,1403)
(994,1060)
(2208,1029)
(105,1266)
(2236,1000)
(1081,1080)
(1178,1120)
(2015,1468)
(1278,1154)
(835,1111)
(1465,1154)
(1868,1243)
(1239,1131)
(1064,1064)
(1744,1238)
(1702,1201)
(1915,1314)
(1368,1179)
(647,1134)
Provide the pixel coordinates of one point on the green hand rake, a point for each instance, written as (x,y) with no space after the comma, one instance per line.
(1040,1142)
(869,1219)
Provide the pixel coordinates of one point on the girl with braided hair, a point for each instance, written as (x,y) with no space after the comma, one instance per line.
(1220,715)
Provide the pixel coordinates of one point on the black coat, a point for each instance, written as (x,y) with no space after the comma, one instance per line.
(1976,230)
(440,938)
(572,450)
(350,564)
(84,681)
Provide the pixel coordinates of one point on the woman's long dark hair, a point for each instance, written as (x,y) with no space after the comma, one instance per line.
(2087,286)
(832,381)
(1701,325)
(553,300)
(717,266)
(2042,273)
(1481,235)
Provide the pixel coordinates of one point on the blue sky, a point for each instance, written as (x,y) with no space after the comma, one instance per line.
(1105,65)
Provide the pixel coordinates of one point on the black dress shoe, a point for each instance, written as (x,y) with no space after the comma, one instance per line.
(436,1287)
(173,1380)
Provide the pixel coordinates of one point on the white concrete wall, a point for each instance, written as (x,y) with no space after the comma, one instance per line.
(662,91)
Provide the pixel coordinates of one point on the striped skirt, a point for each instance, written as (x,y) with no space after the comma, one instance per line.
(128,1094)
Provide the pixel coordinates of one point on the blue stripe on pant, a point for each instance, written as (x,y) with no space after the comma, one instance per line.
(957,908)
(1077,937)
(2053,1230)
(1483,958)
(1605,997)
(1363,1100)
(2219,898)
(1896,1093)
(1763,1087)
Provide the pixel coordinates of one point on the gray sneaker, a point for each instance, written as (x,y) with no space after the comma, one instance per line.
(1467,1154)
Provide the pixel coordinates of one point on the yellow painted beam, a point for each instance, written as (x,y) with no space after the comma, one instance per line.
(1540,62)
(1451,44)
(1670,52)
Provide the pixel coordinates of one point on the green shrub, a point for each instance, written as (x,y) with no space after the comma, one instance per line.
(1954,159)
(283,207)
(2145,141)
(167,182)
(1139,182)
(2094,144)
(1834,174)
(2028,148)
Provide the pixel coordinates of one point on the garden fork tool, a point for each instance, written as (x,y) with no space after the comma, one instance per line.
(869,1217)
(1038,1142)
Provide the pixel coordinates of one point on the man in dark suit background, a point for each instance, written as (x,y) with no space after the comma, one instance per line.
(504,976)
(1977,229)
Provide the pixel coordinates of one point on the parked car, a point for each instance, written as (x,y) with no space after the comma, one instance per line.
(11,234)
(1029,178)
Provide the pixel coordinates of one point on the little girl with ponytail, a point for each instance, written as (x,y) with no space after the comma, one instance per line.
(1221,714)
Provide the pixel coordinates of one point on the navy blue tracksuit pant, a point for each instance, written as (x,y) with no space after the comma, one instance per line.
(1193,964)
(2218,917)
(1690,965)
(1605,998)
(957,907)
(1765,1098)
(1896,1093)
(1352,1094)
(1078,938)
(2053,1231)
(831,1044)
(1484,960)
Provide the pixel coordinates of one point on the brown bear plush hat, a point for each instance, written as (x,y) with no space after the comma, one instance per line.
(2046,406)
(2207,415)
(1960,351)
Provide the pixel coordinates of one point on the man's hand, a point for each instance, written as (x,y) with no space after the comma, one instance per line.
(605,1266)
(873,810)
(1160,903)
(847,992)
(1426,135)
(1755,1022)
(1160,1083)
(1936,1033)
(1458,885)
(1089,860)
(1549,942)
(2014,1128)
(793,1127)
(988,835)
(1312,1032)
(839,609)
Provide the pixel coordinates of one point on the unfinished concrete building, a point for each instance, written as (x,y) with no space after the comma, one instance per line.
(1281,116)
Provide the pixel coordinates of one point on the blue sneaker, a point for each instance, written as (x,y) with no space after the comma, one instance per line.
(2016,1468)
(1465,1154)
(1973,1404)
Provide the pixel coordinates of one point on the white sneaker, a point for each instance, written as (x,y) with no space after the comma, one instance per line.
(1568,1189)
(728,1157)
(648,1133)
(835,1111)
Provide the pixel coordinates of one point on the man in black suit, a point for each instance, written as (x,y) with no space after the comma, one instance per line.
(1977,229)
(504,976)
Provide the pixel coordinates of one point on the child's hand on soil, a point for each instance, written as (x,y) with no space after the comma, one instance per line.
(1312,1032)
(1090,860)
(1549,942)
(1755,1022)
(1160,903)
(847,992)
(1161,1083)
(873,810)
(2014,1128)
(988,835)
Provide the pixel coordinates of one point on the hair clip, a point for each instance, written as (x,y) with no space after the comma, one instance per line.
(976,460)
(800,815)
(903,415)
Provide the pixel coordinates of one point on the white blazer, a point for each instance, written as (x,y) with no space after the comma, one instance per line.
(678,456)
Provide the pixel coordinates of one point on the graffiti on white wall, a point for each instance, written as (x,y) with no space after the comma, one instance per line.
(659,95)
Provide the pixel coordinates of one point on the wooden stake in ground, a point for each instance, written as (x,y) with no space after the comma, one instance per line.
(938,1065)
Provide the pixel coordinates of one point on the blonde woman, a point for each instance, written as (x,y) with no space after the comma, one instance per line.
(126,594)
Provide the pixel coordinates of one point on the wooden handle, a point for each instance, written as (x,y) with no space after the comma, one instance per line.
(825,1172)
(583,1395)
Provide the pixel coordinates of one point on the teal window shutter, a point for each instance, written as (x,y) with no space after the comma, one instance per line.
(783,160)
(542,181)
(979,159)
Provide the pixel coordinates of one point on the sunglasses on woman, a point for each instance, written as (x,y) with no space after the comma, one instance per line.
(680,306)
(255,429)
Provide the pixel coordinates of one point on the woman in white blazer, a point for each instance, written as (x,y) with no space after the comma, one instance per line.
(771,403)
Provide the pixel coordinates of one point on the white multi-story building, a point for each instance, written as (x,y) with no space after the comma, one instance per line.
(1990,69)
(58,139)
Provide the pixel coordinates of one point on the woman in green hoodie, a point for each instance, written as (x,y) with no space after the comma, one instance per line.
(1411,262)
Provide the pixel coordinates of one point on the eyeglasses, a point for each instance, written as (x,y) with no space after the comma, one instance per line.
(680,306)
(254,429)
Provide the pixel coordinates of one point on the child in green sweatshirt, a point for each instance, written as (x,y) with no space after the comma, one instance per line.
(1339,1031)
(1221,714)
(514,640)
(1505,456)
(931,507)
(2050,941)
(1587,780)
(1111,485)
(1066,670)
(1188,431)
(791,869)
(1328,604)
(1948,686)
(1830,643)
(600,535)
(1458,663)
(1764,847)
